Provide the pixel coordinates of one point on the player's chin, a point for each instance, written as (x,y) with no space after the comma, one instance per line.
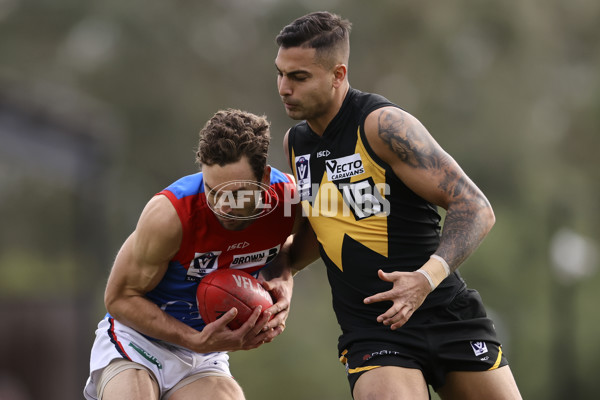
(233,224)
(294,113)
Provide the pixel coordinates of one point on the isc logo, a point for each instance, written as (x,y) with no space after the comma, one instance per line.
(240,245)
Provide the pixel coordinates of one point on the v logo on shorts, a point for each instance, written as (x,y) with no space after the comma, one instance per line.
(479,348)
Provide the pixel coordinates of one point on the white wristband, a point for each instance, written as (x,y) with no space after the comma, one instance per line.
(426,275)
(444,263)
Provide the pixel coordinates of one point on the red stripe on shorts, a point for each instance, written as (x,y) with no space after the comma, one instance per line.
(113,338)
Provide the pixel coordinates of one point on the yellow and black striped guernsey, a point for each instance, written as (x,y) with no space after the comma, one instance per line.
(364,216)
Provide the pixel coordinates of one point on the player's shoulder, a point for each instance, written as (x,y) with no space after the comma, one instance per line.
(279,177)
(390,118)
(301,128)
(282,183)
(159,217)
(188,185)
(367,102)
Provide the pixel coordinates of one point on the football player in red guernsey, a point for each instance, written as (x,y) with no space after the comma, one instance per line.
(153,344)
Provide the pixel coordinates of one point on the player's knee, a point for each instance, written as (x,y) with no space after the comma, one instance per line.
(132,383)
(228,388)
(366,390)
(373,394)
(218,387)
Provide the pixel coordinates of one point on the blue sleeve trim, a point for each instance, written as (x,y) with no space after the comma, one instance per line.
(187,186)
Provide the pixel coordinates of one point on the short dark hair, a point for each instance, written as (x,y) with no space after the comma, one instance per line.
(323,31)
(231,134)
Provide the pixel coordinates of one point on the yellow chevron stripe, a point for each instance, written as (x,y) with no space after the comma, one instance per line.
(361,369)
(332,220)
(497,363)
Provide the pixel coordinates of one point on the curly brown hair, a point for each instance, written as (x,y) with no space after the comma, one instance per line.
(231,134)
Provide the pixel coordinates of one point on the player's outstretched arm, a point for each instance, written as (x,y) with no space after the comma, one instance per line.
(418,160)
(139,266)
(421,163)
(300,250)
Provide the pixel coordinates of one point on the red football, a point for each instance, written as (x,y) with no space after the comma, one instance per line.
(223,289)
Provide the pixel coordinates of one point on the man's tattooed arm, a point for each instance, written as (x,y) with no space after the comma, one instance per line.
(469,216)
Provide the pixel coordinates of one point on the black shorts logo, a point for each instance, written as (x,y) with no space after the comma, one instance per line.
(479,348)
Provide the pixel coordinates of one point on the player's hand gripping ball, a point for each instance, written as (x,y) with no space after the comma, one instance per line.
(224,289)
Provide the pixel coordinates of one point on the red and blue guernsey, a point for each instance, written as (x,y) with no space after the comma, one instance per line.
(206,246)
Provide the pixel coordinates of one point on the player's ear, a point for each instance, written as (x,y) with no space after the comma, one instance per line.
(339,74)
(266,178)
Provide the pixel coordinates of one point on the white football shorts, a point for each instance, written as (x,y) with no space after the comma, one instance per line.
(172,366)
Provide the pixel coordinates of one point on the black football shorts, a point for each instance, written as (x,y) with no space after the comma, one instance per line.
(458,337)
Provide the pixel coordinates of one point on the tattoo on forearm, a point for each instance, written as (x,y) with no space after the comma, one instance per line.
(463,231)
(467,221)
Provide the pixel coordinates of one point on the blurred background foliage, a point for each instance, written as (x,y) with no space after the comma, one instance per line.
(101,102)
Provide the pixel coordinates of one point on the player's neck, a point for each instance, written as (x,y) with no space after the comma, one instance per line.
(320,124)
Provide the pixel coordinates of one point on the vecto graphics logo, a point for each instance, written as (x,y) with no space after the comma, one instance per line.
(344,167)
(246,199)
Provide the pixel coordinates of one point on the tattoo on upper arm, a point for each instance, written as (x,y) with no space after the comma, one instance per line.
(405,140)
(465,226)
(416,148)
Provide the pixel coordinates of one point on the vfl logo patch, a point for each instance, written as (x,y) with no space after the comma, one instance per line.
(479,348)
(303,175)
(253,259)
(202,265)
(344,167)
